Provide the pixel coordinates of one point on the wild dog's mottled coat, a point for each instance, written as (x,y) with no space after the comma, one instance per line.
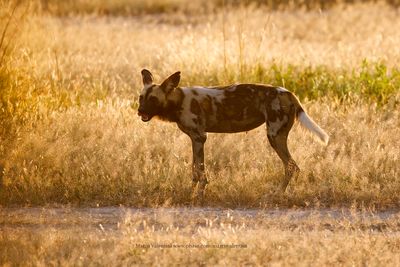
(226,109)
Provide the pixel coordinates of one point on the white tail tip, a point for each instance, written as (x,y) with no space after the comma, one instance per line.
(310,125)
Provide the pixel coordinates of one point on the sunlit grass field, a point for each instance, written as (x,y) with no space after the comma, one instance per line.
(70,135)
(69,87)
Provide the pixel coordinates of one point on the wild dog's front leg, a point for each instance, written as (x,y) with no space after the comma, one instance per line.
(198,168)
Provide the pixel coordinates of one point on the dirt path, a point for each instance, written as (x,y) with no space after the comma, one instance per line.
(110,236)
(111,218)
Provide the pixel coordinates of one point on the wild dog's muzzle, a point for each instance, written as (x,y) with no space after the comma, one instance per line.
(144,116)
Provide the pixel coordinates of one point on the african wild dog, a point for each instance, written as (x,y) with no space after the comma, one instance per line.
(226,109)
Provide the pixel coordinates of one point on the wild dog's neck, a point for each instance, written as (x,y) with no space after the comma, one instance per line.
(171,111)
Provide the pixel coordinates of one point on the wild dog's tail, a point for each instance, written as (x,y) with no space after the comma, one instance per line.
(309,124)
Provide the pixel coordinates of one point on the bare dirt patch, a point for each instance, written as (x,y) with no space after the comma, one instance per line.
(120,235)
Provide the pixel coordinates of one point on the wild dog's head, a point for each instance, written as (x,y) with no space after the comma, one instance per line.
(154,98)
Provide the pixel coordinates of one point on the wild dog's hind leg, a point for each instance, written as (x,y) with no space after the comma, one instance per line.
(277,136)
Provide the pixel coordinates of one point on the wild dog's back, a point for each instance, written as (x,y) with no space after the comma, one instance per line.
(227,109)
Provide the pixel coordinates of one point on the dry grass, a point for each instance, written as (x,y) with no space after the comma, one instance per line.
(69,133)
(340,38)
(140,7)
(101,153)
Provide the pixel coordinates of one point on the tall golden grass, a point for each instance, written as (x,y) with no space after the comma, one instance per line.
(70,134)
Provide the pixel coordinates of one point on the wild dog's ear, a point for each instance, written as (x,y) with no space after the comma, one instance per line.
(147,77)
(171,82)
